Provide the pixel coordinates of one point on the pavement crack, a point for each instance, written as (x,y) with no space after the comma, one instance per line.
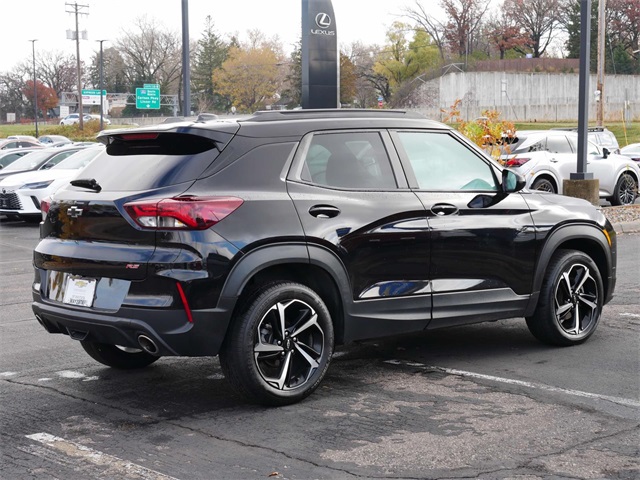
(272,450)
(75,397)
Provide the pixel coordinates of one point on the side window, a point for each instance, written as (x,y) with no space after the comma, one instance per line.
(348,160)
(593,149)
(440,162)
(558,144)
(57,159)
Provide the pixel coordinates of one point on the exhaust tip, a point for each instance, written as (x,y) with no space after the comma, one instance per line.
(148,345)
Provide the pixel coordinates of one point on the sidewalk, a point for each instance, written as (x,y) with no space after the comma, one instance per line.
(624,219)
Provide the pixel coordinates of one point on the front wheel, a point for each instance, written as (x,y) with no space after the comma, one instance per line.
(118,357)
(626,190)
(544,185)
(570,300)
(278,349)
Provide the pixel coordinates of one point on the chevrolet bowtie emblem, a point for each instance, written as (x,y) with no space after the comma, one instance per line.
(74,212)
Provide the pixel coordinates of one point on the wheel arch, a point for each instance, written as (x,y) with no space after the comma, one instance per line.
(315,267)
(549,175)
(585,238)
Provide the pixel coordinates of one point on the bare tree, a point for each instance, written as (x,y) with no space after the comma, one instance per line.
(429,23)
(57,70)
(505,34)
(540,19)
(151,54)
(464,19)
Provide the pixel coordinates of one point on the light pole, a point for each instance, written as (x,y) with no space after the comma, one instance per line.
(101,87)
(35,90)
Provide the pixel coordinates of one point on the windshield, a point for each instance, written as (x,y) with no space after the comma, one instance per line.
(28,162)
(78,160)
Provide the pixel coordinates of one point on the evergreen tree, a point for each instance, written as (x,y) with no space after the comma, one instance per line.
(211,52)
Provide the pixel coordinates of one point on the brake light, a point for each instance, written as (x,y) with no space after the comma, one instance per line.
(128,137)
(45,205)
(517,161)
(182,213)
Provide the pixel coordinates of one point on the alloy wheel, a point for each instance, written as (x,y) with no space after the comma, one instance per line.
(576,301)
(289,344)
(627,190)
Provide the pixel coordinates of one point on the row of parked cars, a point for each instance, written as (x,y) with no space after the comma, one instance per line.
(31,169)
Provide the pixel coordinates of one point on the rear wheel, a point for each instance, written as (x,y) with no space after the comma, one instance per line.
(544,185)
(570,300)
(278,349)
(626,190)
(118,357)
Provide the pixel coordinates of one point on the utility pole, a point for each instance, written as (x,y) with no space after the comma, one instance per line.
(101,85)
(77,10)
(602,21)
(35,89)
(186,74)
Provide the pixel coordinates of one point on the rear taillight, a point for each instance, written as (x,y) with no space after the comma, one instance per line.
(517,161)
(181,213)
(45,205)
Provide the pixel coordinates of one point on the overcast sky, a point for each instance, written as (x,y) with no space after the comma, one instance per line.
(46,20)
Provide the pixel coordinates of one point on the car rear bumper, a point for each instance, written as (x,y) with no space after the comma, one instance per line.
(169,329)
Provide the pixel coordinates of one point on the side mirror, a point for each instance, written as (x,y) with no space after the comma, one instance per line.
(512,182)
(605,152)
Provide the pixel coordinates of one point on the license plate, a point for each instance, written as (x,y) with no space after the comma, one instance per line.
(79,291)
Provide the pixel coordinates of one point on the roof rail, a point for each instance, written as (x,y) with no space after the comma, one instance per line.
(575,129)
(279,115)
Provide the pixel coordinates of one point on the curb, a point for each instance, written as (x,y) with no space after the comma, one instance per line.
(627,227)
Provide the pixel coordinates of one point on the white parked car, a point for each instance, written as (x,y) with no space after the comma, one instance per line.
(547,157)
(74,118)
(22,193)
(105,120)
(632,151)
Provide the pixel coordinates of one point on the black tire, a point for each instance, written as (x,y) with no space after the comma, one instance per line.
(116,357)
(570,300)
(626,190)
(544,185)
(269,366)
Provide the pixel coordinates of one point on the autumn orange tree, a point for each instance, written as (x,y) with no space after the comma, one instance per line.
(250,75)
(489,132)
(47,98)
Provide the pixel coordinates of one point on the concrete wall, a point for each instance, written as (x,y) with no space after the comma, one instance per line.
(528,96)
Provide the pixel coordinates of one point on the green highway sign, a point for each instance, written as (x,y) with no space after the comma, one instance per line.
(93,92)
(152,85)
(148,98)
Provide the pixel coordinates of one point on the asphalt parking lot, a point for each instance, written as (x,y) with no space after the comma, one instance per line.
(483,401)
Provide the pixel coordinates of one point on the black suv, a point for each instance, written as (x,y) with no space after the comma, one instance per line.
(271,239)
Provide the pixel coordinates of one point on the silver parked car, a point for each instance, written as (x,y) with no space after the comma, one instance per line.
(546,157)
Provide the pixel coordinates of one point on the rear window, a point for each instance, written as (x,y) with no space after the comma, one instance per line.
(133,163)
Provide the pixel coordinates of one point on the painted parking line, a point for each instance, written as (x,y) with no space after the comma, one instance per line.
(635,315)
(117,468)
(627,402)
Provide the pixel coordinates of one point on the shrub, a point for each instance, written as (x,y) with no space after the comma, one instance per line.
(488,131)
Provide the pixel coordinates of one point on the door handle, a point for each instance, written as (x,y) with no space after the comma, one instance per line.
(441,209)
(553,160)
(324,211)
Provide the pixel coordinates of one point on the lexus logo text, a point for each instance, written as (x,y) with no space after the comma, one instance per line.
(324,22)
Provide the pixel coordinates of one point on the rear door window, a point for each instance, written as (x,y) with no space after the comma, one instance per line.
(558,144)
(352,160)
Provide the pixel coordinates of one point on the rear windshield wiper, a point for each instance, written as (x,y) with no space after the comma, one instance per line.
(89,183)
